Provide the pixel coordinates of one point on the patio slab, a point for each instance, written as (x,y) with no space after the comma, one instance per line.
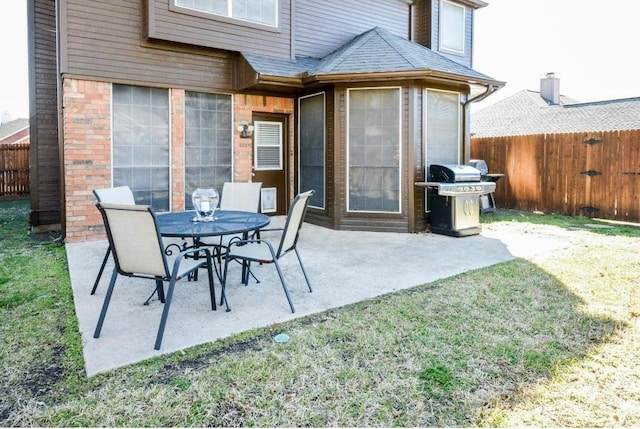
(345,267)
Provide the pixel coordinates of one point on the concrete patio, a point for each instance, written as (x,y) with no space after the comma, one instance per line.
(345,267)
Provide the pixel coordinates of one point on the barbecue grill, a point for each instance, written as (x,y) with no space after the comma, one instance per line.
(487,202)
(453,193)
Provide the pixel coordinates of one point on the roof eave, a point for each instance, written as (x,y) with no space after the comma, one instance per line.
(432,75)
(294,82)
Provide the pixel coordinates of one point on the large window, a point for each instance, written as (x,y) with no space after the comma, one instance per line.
(257,11)
(374,150)
(311,146)
(141,143)
(443,127)
(208,142)
(452,27)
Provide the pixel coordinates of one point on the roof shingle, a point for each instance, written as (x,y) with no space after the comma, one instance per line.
(526,113)
(376,50)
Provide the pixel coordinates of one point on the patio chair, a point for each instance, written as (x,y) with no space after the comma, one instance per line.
(242,196)
(117,195)
(262,251)
(138,251)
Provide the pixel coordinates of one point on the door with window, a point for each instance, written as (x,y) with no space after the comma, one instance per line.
(269,162)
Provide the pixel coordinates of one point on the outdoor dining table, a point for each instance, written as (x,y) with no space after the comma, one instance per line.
(184,225)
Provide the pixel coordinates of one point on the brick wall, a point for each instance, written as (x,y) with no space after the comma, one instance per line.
(87,149)
(244,107)
(87,155)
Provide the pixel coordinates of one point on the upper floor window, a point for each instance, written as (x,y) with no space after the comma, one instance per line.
(452,27)
(263,12)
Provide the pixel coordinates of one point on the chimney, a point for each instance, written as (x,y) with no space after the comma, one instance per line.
(5,118)
(550,88)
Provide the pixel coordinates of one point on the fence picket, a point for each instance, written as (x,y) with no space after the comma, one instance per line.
(568,173)
(14,170)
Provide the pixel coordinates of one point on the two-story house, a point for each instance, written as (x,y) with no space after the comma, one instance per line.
(352,98)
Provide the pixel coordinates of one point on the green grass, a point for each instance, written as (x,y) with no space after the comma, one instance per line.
(550,342)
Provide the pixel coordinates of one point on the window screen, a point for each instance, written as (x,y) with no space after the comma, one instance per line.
(452,29)
(208,142)
(311,141)
(141,143)
(374,150)
(443,127)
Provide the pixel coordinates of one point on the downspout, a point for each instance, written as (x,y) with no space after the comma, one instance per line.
(59,89)
(467,119)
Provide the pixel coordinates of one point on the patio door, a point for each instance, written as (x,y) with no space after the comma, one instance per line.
(269,162)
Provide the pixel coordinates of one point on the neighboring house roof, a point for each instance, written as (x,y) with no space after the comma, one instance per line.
(14,131)
(371,53)
(13,127)
(526,113)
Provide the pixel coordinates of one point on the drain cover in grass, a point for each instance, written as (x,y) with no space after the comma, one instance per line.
(281,338)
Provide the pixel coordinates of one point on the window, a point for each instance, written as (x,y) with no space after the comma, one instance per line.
(452,23)
(267,145)
(208,142)
(311,147)
(373,150)
(141,143)
(443,127)
(257,11)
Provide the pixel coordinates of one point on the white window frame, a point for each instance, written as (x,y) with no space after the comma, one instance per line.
(445,27)
(170,131)
(186,164)
(256,145)
(425,133)
(348,173)
(182,5)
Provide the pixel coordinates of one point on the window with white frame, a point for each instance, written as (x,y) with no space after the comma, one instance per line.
(140,138)
(442,127)
(374,150)
(257,11)
(208,142)
(452,27)
(311,147)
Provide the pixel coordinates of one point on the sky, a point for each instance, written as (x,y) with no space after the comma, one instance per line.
(14,68)
(591,45)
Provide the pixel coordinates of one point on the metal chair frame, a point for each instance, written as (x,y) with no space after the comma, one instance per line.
(118,195)
(176,273)
(262,251)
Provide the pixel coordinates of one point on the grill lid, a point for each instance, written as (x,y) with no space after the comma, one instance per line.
(453,173)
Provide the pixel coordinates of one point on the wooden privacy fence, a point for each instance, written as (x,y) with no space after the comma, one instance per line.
(14,170)
(592,174)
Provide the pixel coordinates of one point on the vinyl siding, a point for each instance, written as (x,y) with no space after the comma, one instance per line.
(206,30)
(45,172)
(464,59)
(323,26)
(104,40)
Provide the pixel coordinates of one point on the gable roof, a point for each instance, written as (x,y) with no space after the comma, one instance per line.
(374,54)
(9,128)
(526,113)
